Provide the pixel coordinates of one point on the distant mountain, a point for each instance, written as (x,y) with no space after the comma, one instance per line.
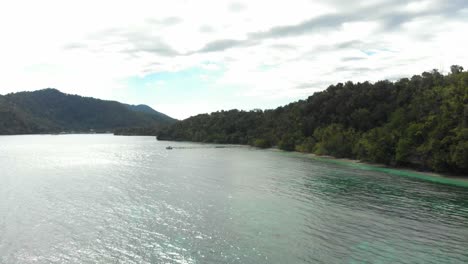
(146,109)
(51,111)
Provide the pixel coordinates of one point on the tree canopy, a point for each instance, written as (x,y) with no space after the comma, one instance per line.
(419,121)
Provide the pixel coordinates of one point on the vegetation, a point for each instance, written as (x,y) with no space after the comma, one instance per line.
(50,111)
(137,131)
(419,122)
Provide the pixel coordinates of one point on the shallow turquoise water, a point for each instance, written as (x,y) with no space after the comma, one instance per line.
(106,199)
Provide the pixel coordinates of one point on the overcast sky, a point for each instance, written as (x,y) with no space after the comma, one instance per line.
(188,57)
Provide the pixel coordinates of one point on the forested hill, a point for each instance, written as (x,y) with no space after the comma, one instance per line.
(419,121)
(50,111)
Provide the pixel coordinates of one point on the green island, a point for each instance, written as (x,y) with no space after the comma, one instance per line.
(418,122)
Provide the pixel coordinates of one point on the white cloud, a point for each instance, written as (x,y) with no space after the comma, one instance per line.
(268,49)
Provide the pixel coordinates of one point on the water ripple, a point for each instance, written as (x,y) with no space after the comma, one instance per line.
(106,199)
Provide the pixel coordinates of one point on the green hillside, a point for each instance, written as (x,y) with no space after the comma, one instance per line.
(419,121)
(50,111)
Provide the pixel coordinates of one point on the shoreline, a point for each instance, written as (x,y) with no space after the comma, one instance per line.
(457,180)
(449,179)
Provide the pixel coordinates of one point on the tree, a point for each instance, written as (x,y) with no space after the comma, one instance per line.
(412,122)
(455,69)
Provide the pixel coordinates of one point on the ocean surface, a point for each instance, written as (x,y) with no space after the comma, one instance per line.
(109,199)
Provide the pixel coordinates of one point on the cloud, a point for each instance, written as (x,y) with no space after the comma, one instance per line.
(220,45)
(170,21)
(72,46)
(224,44)
(131,41)
(353,58)
(206,29)
(147,44)
(310,85)
(391,18)
(283,46)
(304,27)
(349,44)
(273,51)
(236,7)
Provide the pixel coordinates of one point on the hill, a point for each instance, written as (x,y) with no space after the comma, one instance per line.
(51,111)
(146,109)
(419,122)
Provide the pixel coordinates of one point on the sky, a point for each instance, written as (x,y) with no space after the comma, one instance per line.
(185,57)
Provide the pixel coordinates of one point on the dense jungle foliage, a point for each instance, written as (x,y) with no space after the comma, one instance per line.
(419,122)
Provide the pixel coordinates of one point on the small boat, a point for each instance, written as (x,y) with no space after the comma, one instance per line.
(168,147)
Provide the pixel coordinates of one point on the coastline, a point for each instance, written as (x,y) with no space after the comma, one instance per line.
(456,180)
(449,179)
